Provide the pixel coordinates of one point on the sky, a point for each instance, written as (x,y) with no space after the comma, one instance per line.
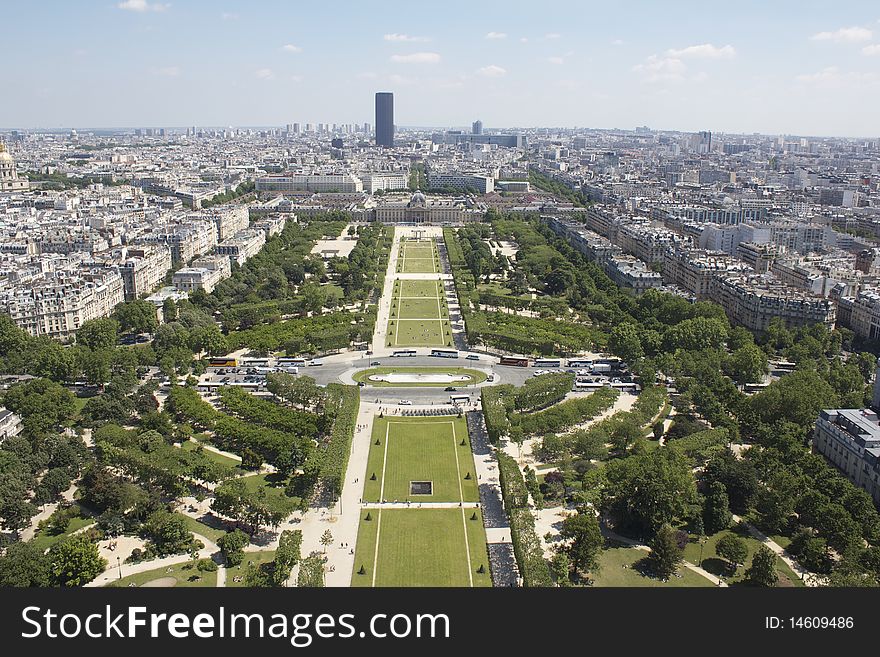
(799,67)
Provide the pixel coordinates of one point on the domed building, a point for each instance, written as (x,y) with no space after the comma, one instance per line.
(442,211)
(9,180)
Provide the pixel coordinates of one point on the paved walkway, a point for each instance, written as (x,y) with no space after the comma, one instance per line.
(809,579)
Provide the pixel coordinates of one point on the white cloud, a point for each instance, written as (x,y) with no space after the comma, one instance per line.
(228,16)
(706,50)
(552,35)
(142,6)
(524,40)
(845,35)
(367,75)
(873,49)
(556,60)
(168,71)
(496,35)
(661,69)
(832,76)
(417,58)
(265,74)
(400,80)
(296,78)
(291,48)
(492,71)
(405,37)
(618,42)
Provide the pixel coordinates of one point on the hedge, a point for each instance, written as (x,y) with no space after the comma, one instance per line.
(495,401)
(569,413)
(543,391)
(329,462)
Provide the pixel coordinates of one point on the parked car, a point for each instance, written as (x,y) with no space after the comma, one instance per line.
(450,389)
(405,402)
(472,357)
(375,362)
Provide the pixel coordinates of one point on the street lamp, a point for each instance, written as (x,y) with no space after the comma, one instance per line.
(119,565)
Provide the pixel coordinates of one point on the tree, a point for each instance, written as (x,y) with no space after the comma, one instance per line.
(287,555)
(762,572)
(732,548)
(716,509)
(98,333)
(232,545)
(138,316)
(24,565)
(748,364)
(169,533)
(560,566)
(326,539)
(75,561)
(586,541)
(169,310)
(624,341)
(665,555)
(42,404)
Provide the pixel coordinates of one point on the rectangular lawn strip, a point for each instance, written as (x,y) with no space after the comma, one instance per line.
(44,540)
(419,266)
(613,573)
(256,558)
(420,309)
(420,333)
(365,551)
(417,548)
(423,451)
(416,288)
(717,566)
(186,574)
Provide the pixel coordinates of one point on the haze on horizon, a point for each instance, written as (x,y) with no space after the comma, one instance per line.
(802,68)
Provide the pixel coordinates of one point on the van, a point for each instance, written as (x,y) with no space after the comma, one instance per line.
(315,363)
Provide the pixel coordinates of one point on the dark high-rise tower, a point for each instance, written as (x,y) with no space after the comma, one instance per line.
(385,119)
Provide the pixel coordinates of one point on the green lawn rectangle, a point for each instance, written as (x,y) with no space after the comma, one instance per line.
(419,266)
(419,333)
(420,449)
(411,288)
(618,568)
(184,574)
(421,547)
(419,309)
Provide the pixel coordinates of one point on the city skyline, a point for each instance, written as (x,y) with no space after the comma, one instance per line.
(799,70)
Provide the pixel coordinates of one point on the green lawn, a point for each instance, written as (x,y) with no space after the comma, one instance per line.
(274,487)
(201,528)
(420,333)
(191,446)
(420,449)
(255,558)
(184,574)
(419,309)
(418,266)
(718,566)
(411,288)
(474,376)
(421,547)
(44,540)
(613,573)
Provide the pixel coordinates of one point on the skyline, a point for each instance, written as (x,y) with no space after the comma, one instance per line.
(139,63)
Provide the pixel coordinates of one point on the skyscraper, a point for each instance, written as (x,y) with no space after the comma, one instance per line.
(385,119)
(477,127)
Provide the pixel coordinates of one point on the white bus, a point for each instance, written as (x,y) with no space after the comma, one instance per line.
(547,362)
(459,399)
(401,353)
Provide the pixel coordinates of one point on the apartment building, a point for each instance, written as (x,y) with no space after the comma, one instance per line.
(242,246)
(850,440)
(144,269)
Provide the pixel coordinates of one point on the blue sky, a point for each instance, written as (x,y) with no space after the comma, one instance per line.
(777,66)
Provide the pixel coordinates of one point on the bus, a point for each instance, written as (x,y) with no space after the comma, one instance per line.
(222,362)
(289,361)
(460,399)
(254,362)
(403,353)
(515,361)
(587,385)
(444,353)
(579,362)
(784,366)
(547,362)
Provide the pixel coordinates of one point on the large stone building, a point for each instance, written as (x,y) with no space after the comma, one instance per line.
(144,269)
(9,180)
(850,439)
(421,210)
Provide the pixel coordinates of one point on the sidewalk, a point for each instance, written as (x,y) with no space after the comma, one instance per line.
(808,578)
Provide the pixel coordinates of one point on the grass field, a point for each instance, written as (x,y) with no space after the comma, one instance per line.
(718,566)
(421,547)
(201,528)
(419,316)
(43,539)
(420,449)
(474,376)
(613,573)
(418,258)
(192,446)
(255,558)
(184,575)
